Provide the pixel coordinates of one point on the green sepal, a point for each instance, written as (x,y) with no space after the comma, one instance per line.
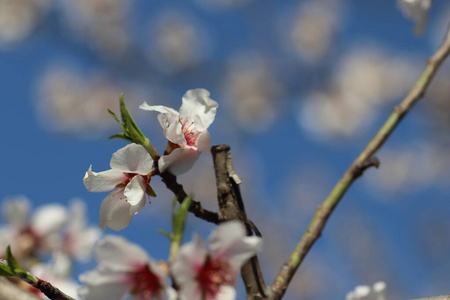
(150,191)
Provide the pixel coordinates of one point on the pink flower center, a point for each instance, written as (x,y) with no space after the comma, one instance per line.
(189,131)
(129,176)
(212,275)
(145,283)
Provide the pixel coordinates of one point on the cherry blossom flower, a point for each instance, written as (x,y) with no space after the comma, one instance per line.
(31,235)
(123,269)
(58,272)
(78,237)
(186,130)
(209,276)
(129,183)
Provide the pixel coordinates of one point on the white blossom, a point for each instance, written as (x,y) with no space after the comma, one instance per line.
(202,275)
(123,269)
(35,234)
(129,183)
(186,130)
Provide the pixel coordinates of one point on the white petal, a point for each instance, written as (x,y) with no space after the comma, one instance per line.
(197,102)
(49,218)
(230,242)
(172,130)
(115,212)
(84,241)
(203,143)
(106,291)
(115,253)
(170,123)
(16,210)
(135,193)
(132,158)
(170,112)
(191,291)
(179,161)
(226,292)
(190,258)
(103,181)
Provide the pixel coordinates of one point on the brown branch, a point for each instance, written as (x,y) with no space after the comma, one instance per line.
(51,291)
(196,208)
(231,207)
(356,169)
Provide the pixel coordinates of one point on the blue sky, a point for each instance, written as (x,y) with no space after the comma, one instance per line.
(47,165)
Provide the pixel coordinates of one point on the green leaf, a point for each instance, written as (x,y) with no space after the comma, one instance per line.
(179,218)
(132,129)
(114,115)
(12,262)
(120,136)
(165,233)
(5,270)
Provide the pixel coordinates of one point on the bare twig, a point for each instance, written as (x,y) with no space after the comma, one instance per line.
(231,207)
(196,208)
(362,162)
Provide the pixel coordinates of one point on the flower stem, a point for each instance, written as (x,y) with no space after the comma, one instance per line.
(150,149)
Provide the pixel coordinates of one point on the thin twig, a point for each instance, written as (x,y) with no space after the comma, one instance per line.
(231,207)
(356,169)
(196,208)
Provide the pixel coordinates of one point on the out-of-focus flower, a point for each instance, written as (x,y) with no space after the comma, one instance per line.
(312,29)
(177,42)
(252,92)
(187,130)
(212,276)
(74,103)
(416,10)
(18,18)
(101,23)
(35,235)
(58,273)
(410,168)
(123,269)
(78,237)
(129,183)
(365,292)
(364,80)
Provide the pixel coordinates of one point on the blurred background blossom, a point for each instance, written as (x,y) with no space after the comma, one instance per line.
(302,86)
(18,19)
